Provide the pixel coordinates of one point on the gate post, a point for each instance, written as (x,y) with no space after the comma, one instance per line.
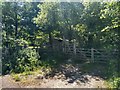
(64,45)
(92,54)
(74,47)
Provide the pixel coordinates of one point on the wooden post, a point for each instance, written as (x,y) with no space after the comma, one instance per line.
(92,54)
(74,47)
(64,44)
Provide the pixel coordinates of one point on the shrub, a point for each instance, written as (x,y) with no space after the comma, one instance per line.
(19,60)
(113,79)
(16,77)
(26,60)
(112,68)
(114,82)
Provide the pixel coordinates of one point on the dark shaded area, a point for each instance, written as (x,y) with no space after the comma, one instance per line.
(81,71)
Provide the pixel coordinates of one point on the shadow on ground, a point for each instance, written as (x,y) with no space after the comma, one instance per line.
(79,72)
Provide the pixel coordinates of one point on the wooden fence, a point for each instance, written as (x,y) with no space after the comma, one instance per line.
(93,55)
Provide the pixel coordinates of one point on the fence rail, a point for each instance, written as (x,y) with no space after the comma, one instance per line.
(99,55)
(93,55)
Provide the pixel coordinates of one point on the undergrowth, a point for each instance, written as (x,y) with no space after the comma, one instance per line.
(113,79)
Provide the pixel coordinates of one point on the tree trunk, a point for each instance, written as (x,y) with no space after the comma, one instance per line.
(90,41)
(16,21)
(118,58)
(118,44)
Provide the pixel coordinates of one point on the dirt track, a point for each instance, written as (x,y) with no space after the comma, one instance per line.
(94,82)
(7,82)
(67,77)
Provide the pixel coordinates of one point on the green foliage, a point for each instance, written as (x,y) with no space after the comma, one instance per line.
(25,25)
(16,77)
(53,59)
(112,68)
(113,79)
(114,82)
(26,60)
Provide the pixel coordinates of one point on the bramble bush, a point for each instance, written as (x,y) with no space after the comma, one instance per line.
(18,61)
(113,79)
(26,60)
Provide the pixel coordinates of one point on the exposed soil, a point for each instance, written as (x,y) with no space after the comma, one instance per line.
(66,76)
(8,82)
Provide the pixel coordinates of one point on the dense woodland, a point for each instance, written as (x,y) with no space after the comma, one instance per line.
(29,30)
